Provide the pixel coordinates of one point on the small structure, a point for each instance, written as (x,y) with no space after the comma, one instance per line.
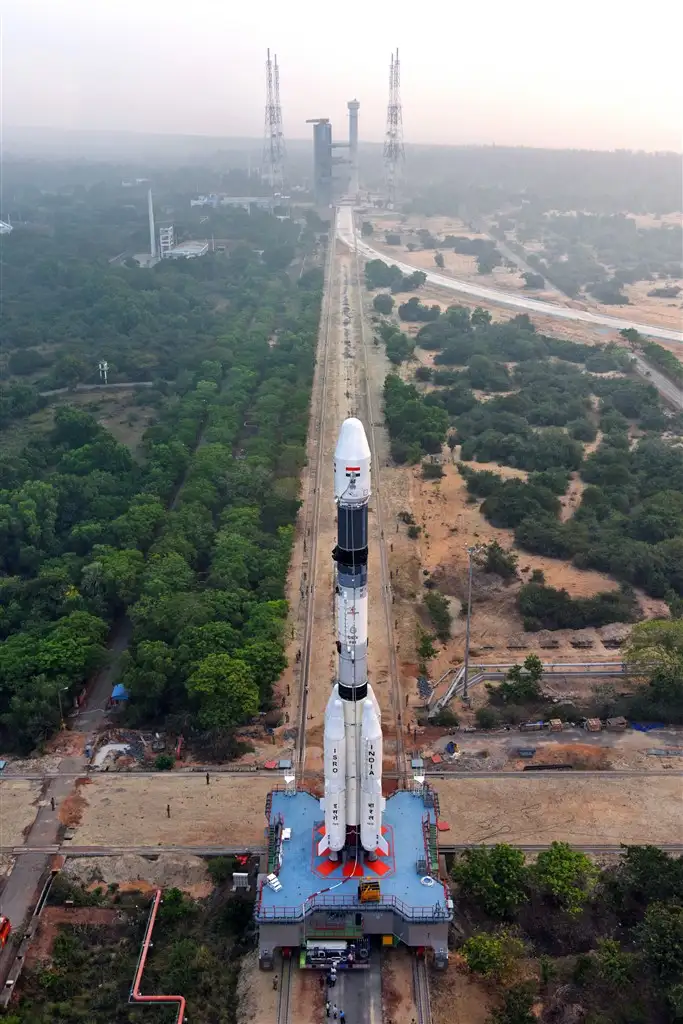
(581,641)
(615,634)
(593,725)
(618,724)
(119,695)
(547,640)
(555,724)
(518,642)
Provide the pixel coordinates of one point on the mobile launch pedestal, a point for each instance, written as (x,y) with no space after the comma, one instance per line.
(351,865)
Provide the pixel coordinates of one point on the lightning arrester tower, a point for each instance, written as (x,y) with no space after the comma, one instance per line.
(274,140)
(393,138)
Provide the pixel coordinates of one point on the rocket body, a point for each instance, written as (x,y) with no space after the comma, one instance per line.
(353,810)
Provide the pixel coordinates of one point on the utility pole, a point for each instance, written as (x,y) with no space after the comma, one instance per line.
(394,154)
(273,140)
(470,551)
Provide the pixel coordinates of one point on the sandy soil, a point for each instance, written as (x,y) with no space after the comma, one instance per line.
(257,999)
(131,810)
(398,1003)
(135,873)
(449,526)
(595,810)
(457,997)
(50,924)
(18,807)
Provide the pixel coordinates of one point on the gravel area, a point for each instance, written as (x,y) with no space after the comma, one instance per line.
(132,811)
(18,808)
(586,810)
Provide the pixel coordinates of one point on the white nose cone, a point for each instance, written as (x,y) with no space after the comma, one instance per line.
(352,464)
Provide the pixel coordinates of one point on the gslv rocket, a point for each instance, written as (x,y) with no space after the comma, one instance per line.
(353,801)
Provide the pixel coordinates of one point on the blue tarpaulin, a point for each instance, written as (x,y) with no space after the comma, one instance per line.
(648,726)
(119,692)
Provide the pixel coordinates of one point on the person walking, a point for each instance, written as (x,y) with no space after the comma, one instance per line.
(335,1012)
(327,1008)
(342,1017)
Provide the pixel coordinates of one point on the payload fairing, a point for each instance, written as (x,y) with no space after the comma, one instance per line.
(353,801)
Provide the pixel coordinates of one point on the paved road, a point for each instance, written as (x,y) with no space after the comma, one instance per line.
(665,387)
(359,993)
(346,232)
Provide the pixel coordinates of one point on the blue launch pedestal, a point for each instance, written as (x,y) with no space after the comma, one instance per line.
(414,906)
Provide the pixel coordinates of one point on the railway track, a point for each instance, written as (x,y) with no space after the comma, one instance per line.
(421,990)
(379,515)
(285,992)
(312,518)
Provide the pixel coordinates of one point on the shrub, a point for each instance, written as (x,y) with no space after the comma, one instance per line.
(486,718)
(439,613)
(446,718)
(164,762)
(383,303)
(432,470)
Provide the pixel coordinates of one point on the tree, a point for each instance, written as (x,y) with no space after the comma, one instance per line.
(496,559)
(656,646)
(614,965)
(517,1008)
(523,682)
(533,280)
(565,876)
(631,335)
(425,647)
(661,935)
(383,303)
(439,260)
(486,718)
(493,955)
(495,878)
(225,691)
(440,614)
(366,229)
(480,317)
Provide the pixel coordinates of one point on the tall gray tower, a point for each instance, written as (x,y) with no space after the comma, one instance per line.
(353,106)
(322,160)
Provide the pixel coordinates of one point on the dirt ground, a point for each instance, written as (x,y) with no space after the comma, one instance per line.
(145,874)
(450,524)
(257,999)
(578,809)
(49,927)
(398,1002)
(18,806)
(131,810)
(457,997)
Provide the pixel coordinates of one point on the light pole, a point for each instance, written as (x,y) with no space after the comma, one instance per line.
(60,691)
(470,551)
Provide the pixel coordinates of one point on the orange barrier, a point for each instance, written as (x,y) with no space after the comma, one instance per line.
(135,996)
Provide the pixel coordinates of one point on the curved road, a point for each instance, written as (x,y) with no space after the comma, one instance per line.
(346,232)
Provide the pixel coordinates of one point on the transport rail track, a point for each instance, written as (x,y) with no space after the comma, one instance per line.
(384,560)
(312,518)
(285,992)
(421,990)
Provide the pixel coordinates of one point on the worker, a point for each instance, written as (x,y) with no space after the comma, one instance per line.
(327,1008)
(335,1012)
(342,1017)
(168,810)
(207,779)
(275,983)
(52,802)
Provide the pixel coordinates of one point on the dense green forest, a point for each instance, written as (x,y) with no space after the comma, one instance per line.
(600,945)
(197,951)
(191,536)
(537,415)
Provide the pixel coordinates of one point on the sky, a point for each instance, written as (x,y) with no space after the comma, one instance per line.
(591,74)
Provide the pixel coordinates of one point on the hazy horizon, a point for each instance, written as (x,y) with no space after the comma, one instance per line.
(498,75)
